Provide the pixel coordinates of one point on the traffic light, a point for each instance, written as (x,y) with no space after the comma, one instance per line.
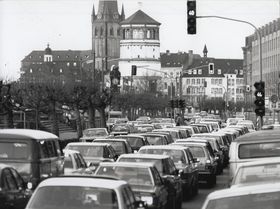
(115,77)
(260,98)
(133,69)
(191,9)
(182,104)
(171,103)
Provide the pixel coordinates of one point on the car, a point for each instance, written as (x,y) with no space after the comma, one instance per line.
(14,193)
(135,141)
(144,118)
(168,136)
(254,196)
(203,128)
(175,134)
(144,179)
(248,123)
(254,146)
(257,172)
(184,162)
(94,133)
(167,170)
(121,129)
(206,162)
(143,128)
(94,153)
(274,126)
(121,146)
(35,154)
(83,192)
(74,163)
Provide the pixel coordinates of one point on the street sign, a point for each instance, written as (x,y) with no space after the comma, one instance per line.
(274,98)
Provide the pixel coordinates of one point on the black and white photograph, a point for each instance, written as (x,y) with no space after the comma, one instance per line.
(139,104)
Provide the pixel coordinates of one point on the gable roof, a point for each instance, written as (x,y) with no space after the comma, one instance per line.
(175,59)
(140,17)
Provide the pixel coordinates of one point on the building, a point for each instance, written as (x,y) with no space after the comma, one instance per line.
(106,34)
(213,78)
(140,46)
(64,65)
(172,66)
(270,36)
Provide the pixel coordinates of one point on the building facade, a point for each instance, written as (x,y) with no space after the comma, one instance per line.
(270,44)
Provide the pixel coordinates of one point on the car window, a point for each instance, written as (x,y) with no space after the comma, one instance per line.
(68,162)
(18,178)
(130,196)
(171,166)
(259,150)
(82,161)
(190,156)
(14,150)
(88,151)
(197,152)
(157,177)
(126,199)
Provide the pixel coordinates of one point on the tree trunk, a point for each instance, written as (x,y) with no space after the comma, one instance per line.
(78,122)
(55,127)
(91,116)
(102,117)
(10,118)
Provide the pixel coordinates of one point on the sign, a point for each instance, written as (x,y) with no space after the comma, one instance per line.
(274,98)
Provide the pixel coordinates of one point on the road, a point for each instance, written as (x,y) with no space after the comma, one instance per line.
(197,202)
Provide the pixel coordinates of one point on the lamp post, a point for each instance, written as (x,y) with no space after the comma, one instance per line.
(260,45)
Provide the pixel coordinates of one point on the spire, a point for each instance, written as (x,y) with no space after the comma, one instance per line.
(205,51)
(122,14)
(93,16)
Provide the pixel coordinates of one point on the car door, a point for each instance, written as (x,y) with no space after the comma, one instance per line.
(193,166)
(161,189)
(13,196)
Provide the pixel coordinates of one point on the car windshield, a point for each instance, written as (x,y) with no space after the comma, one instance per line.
(197,151)
(119,147)
(258,174)
(73,197)
(14,150)
(259,150)
(95,132)
(135,142)
(176,155)
(132,175)
(155,140)
(158,162)
(252,201)
(88,151)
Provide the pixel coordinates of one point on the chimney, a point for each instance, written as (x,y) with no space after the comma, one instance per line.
(190,57)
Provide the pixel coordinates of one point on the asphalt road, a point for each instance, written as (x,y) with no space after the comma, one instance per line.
(197,202)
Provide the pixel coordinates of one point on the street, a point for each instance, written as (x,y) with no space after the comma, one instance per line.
(197,202)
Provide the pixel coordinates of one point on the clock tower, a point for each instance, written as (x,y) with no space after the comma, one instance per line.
(106,33)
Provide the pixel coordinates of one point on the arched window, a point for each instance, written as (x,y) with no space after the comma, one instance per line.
(123,33)
(127,34)
(138,34)
(96,31)
(101,31)
(148,34)
(154,34)
(118,32)
(111,31)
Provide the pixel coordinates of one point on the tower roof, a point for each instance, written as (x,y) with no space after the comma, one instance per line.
(107,9)
(48,50)
(140,17)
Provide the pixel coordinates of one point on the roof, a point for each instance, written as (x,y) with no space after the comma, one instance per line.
(110,140)
(189,143)
(26,133)
(252,189)
(260,136)
(83,181)
(173,59)
(163,147)
(146,156)
(227,66)
(86,144)
(140,17)
(128,164)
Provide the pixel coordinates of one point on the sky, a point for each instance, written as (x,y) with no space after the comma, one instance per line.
(27,25)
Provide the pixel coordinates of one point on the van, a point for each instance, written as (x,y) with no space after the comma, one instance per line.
(253,146)
(35,154)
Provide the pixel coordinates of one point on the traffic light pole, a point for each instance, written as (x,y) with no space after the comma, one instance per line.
(260,46)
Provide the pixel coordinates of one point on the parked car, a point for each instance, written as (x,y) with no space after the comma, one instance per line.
(34,154)
(135,141)
(257,172)
(254,146)
(156,139)
(14,193)
(167,170)
(91,134)
(94,153)
(174,133)
(206,162)
(121,129)
(83,192)
(168,136)
(75,164)
(144,179)
(121,146)
(247,197)
(203,128)
(184,162)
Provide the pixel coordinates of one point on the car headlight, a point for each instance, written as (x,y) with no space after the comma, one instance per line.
(147,199)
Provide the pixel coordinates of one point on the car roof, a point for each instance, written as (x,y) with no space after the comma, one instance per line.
(191,143)
(260,136)
(148,156)
(163,147)
(88,129)
(128,164)
(132,135)
(110,139)
(24,133)
(87,144)
(249,189)
(86,181)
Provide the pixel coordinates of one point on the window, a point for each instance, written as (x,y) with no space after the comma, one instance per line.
(68,63)
(189,72)
(95,31)
(111,31)
(188,81)
(194,72)
(101,31)
(211,68)
(198,81)
(60,70)
(199,71)
(75,64)
(30,70)
(219,71)
(118,32)
(193,81)
(148,34)
(241,72)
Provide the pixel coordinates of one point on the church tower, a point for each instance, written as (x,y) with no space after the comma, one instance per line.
(106,33)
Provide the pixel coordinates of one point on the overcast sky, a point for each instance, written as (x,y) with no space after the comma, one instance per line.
(27,25)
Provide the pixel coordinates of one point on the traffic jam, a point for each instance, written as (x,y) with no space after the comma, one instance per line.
(150,163)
